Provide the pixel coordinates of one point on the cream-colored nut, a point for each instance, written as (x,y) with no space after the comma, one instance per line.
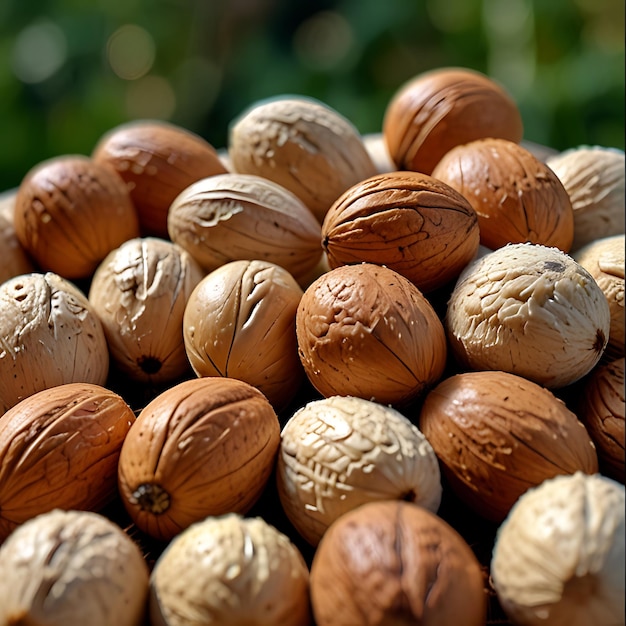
(230,570)
(377,148)
(559,557)
(340,452)
(530,310)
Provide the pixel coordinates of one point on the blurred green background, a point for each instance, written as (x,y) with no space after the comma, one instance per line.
(72,69)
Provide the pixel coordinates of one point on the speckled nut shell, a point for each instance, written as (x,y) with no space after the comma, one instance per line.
(407,221)
(303,145)
(340,452)
(393,562)
(530,310)
(516,196)
(70,212)
(240,322)
(443,108)
(497,434)
(366,331)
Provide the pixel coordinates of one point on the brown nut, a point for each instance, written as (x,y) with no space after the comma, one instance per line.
(443,108)
(303,145)
(497,434)
(516,196)
(157,160)
(70,212)
(393,562)
(240,322)
(409,222)
(366,331)
(15,259)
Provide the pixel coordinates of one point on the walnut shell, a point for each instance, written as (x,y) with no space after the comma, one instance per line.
(203,447)
(559,556)
(72,567)
(516,196)
(440,109)
(497,434)
(139,292)
(157,160)
(240,322)
(393,562)
(15,259)
(340,452)
(49,335)
(230,570)
(59,449)
(366,331)
(233,217)
(303,145)
(70,212)
(530,310)
(407,221)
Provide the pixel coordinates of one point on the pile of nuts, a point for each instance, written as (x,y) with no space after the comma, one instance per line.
(316,378)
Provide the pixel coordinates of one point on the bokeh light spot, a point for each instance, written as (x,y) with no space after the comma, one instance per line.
(39,51)
(150,97)
(131,51)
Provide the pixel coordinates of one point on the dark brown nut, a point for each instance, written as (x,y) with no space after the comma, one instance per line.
(70,212)
(497,434)
(443,108)
(516,196)
(393,562)
(366,331)
(157,160)
(407,221)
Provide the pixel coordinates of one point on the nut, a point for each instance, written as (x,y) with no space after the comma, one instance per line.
(15,260)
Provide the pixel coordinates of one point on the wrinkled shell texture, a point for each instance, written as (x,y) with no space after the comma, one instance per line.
(240,322)
(604,260)
(157,160)
(594,179)
(559,557)
(245,217)
(530,310)
(394,562)
(517,197)
(303,145)
(440,109)
(230,570)
(366,331)
(15,259)
(497,434)
(139,292)
(72,567)
(407,221)
(60,448)
(49,335)
(203,447)
(340,452)
(70,212)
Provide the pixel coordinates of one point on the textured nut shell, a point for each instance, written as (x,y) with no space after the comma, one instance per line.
(407,221)
(559,557)
(366,331)
(235,217)
(230,570)
(594,179)
(340,452)
(393,562)
(443,108)
(208,444)
(59,449)
(604,260)
(50,335)
(601,409)
(15,259)
(157,160)
(139,292)
(70,212)
(530,310)
(516,196)
(497,434)
(303,145)
(72,567)
(240,322)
